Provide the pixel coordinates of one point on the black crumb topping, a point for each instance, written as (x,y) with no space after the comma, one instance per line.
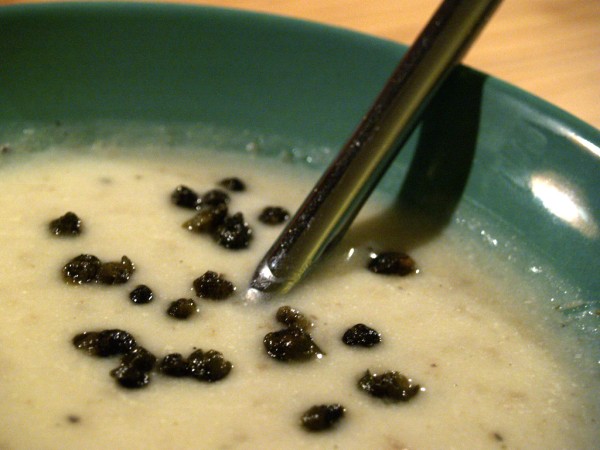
(82,269)
(391,386)
(116,272)
(291,344)
(213,286)
(233,184)
(391,263)
(185,197)
(141,295)
(322,417)
(361,335)
(234,233)
(67,225)
(182,308)
(273,215)
(293,318)
(208,218)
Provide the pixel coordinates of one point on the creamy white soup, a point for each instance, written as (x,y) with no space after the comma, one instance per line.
(491,370)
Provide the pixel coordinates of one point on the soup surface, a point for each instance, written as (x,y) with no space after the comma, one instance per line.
(493,370)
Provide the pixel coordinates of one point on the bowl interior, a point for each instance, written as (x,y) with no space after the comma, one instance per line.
(531,168)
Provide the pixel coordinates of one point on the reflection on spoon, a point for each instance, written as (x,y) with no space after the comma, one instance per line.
(337,197)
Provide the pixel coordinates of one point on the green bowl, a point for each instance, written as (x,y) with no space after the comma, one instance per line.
(531,169)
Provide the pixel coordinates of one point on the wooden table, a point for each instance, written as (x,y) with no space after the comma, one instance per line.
(550,48)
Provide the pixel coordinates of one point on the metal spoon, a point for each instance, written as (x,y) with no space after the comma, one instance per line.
(337,197)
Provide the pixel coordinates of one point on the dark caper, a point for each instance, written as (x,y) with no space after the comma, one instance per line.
(185,197)
(140,359)
(273,215)
(174,365)
(291,344)
(234,233)
(361,335)
(88,341)
(391,263)
(82,269)
(214,197)
(391,386)
(213,286)
(105,343)
(141,295)
(208,218)
(116,272)
(233,184)
(114,342)
(129,377)
(182,308)
(66,225)
(293,318)
(208,366)
(322,417)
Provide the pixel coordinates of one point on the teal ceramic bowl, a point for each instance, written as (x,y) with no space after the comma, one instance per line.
(531,169)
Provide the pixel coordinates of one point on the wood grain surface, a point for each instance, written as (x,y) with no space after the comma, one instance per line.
(550,48)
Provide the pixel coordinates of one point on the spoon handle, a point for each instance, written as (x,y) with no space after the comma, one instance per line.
(341,191)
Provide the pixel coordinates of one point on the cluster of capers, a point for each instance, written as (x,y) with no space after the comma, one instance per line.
(292,343)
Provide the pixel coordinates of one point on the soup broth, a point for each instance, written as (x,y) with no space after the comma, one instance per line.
(493,369)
